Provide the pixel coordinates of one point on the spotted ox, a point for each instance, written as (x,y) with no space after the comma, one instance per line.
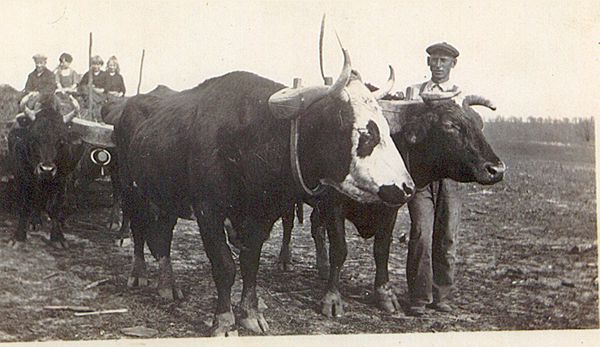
(438,139)
(222,150)
(44,152)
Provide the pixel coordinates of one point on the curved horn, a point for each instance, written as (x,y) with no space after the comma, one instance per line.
(439,96)
(30,113)
(76,108)
(477,100)
(23,102)
(338,86)
(378,94)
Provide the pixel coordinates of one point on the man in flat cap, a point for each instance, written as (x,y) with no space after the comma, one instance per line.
(41,79)
(434,210)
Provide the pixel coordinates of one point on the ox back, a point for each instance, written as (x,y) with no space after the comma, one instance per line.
(217,141)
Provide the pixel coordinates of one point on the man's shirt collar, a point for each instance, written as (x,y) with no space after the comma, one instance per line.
(439,87)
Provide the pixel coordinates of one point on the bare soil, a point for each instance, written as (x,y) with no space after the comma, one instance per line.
(527,260)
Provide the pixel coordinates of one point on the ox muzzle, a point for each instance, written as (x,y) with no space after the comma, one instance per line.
(46,170)
(494,173)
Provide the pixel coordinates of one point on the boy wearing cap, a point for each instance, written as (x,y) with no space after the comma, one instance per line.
(434,210)
(41,79)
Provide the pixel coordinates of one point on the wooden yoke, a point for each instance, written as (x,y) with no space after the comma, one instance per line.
(98,134)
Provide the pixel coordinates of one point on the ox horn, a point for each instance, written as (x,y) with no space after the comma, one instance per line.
(340,84)
(289,103)
(30,113)
(76,108)
(471,100)
(378,94)
(26,110)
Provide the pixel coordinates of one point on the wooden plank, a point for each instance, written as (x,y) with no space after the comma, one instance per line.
(395,112)
(94,133)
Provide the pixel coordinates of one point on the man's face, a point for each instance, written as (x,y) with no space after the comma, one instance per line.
(440,66)
(40,65)
(96,67)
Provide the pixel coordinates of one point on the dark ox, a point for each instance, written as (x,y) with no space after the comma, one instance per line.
(217,151)
(91,167)
(44,152)
(438,139)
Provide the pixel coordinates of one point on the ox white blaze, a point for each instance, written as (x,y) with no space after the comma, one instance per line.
(383,166)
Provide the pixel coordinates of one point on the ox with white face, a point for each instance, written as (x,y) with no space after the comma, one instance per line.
(377,172)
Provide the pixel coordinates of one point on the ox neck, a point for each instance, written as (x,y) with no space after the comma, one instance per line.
(423,168)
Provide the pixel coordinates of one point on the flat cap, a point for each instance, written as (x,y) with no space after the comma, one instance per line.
(39,57)
(443,48)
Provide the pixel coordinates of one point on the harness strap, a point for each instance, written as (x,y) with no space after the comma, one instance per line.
(296,171)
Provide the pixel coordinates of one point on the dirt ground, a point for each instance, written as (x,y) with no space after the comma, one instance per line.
(527,260)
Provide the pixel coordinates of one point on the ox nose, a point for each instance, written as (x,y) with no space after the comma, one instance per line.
(496,171)
(393,195)
(46,169)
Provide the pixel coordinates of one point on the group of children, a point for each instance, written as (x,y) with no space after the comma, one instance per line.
(99,85)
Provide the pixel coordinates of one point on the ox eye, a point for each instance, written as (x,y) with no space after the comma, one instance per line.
(449,126)
(368,139)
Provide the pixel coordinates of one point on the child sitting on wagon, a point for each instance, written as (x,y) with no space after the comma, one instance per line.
(66,78)
(114,86)
(96,92)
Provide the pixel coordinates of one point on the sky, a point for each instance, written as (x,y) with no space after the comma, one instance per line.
(535,58)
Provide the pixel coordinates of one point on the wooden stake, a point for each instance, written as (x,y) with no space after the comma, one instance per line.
(96,283)
(90,78)
(70,308)
(95,313)
(141,67)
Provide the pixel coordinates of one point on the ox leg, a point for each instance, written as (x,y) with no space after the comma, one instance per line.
(159,241)
(139,230)
(115,213)
(317,230)
(252,305)
(284,261)
(334,218)
(25,210)
(55,212)
(36,219)
(384,296)
(20,234)
(222,267)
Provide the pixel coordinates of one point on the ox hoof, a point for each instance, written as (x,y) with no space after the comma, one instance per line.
(136,281)
(223,325)
(59,244)
(386,299)
(333,306)
(15,244)
(255,322)
(170,293)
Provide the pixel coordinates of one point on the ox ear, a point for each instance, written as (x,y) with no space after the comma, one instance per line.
(416,130)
